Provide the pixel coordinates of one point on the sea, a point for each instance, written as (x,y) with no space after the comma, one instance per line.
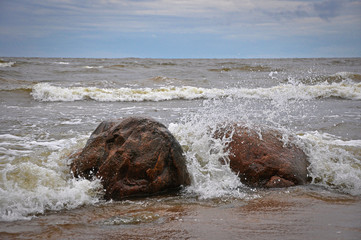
(50,106)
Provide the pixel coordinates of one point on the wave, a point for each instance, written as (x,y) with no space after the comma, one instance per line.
(6,64)
(16,85)
(48,93)
(347,75)
(35,177)
(333,78)
(93,67)
(244,68)
(334,163)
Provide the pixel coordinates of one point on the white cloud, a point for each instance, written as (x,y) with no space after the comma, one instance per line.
(177,15)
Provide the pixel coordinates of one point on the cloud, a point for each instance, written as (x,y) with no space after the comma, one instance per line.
(234,21)
(167,15)
(329,9)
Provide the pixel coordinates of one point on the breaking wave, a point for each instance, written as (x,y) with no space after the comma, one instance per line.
(48,93)
(6,64)
(35,178)
(334,163)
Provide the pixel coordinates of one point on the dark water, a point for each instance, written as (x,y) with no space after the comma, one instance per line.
(50,106)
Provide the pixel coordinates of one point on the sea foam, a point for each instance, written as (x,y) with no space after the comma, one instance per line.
(334,163)
(35,178)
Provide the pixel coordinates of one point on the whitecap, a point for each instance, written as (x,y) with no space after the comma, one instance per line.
(93,67)
(7,64)
(284,92)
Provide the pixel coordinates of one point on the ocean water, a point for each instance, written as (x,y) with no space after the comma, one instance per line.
(50,106)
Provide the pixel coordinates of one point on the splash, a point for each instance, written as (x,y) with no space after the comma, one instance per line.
(334,162)
(205,154)
(207,159)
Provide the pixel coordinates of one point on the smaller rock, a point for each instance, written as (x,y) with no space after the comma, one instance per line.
(263,160)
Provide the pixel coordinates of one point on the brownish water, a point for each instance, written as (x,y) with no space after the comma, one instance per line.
(277,214)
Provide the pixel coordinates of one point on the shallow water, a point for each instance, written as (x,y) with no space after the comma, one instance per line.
(49,107)
(296,213)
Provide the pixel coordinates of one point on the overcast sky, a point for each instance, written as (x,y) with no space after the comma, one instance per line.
(180,28)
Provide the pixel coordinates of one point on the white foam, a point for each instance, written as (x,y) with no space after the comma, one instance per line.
(10,137)
(38,179)
(7,64)
(72,122)
(22,204)
(334,163)
(301,91)
(272,74)
(95,67)
(47,92)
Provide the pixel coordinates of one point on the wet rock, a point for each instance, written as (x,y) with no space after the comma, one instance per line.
(132,157)
(262,159)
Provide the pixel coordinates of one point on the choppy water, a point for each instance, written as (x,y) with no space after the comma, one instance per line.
(50,106)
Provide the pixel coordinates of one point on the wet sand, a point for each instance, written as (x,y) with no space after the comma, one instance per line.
(278,214)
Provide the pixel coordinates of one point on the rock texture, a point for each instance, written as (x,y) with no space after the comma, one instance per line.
(263,160)
(132,157)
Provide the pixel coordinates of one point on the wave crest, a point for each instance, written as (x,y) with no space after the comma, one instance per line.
(6,64)
(48,93)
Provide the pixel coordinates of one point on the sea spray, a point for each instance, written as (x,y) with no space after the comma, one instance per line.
(208,161)
(205,154)
(335,163)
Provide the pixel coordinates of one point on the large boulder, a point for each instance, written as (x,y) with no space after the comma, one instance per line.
(132,157)
(262,159)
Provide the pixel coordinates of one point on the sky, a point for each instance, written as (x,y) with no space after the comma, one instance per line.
(180,28)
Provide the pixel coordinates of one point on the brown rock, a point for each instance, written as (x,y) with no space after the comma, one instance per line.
(135,156)
(263,160)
